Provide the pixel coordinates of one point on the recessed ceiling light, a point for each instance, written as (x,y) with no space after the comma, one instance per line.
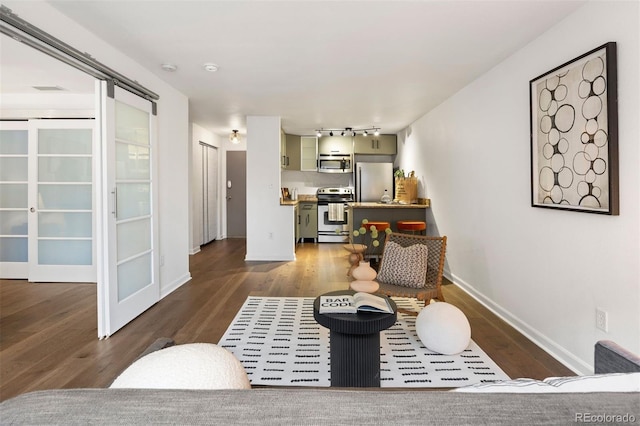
(169,67)
(210,67)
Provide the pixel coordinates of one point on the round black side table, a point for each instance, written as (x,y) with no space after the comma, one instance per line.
(354,343)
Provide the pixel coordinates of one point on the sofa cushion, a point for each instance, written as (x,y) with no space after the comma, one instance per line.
(619,382)
(404,266)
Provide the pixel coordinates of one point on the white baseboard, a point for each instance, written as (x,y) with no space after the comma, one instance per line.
(165,291)
(552,348)
(194,250)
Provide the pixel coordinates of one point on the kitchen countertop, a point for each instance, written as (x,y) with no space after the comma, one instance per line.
(302,198)
(378,205)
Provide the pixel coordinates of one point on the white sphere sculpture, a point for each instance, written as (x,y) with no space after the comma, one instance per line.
(190,366)
(443,328)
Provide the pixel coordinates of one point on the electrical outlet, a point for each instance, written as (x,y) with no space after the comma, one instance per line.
(602,320)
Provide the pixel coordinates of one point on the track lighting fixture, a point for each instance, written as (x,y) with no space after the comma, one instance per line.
(234,137)
(347,130)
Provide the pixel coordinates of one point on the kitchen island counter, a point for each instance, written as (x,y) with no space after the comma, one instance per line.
(378,205)
(392,213)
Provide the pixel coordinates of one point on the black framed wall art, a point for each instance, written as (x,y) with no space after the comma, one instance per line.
(574,134)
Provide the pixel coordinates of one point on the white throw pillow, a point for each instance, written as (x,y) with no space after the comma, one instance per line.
(191,366)
(618,382)
(404,266)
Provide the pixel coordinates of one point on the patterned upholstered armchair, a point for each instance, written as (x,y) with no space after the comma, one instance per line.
(436,248)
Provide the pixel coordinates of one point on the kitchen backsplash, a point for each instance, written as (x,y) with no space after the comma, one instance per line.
(309,182)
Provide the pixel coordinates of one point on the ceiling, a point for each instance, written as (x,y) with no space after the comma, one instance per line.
(330,64)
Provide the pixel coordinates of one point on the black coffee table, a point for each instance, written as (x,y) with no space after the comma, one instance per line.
(355,343)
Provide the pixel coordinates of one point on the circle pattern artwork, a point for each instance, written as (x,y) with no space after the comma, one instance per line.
(572,135)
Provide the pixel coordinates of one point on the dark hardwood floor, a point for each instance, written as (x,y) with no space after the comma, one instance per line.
(48,333)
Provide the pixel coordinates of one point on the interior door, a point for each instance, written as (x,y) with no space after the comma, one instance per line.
(236,194)
(14,203)
(209,193)
(61,201)
(130,277)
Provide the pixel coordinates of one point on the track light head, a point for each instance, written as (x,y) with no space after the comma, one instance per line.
(330,133)
(318,133)
(376,132)
(364,133)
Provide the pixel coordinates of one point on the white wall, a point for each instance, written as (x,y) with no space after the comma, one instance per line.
(47,105)
(270,226)
(173,135)
(545,271)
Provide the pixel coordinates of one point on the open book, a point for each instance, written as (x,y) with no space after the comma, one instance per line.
(359,302)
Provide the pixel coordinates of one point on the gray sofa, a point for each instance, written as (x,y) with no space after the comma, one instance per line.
(288,406)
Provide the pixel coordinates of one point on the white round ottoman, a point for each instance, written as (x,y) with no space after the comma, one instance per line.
(190,366)
(443,328)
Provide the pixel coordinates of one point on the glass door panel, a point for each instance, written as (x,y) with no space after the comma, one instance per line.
(14,205)
(134,238)
(65,197)
(134,275)
(133,185)
(65,224)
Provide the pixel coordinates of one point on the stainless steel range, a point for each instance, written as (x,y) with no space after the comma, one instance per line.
(334,214)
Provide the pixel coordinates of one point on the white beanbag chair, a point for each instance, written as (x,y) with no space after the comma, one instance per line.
(191,366)
(443,328)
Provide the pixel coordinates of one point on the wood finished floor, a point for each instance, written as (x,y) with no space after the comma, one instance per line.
(48,333)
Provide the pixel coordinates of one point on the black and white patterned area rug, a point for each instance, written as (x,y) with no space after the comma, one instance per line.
(279,343)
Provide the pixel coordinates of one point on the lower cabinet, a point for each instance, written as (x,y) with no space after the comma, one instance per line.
(307,220)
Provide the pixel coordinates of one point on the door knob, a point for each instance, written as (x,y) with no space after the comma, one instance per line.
(32,209)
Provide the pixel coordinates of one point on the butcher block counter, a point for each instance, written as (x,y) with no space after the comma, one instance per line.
(391,213)
(377,205)
(302,198)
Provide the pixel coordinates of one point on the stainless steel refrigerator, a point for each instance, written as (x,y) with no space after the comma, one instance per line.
(372,179)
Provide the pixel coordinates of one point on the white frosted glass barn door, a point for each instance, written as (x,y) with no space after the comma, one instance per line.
(14,203)
(61,201)
(130,276)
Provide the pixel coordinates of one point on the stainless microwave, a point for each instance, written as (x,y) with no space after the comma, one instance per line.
(335,163)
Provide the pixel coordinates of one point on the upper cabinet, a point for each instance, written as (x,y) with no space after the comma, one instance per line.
(292,156)
(283,150)
(308,153)
(383,144)
(329,145)
(299,153)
